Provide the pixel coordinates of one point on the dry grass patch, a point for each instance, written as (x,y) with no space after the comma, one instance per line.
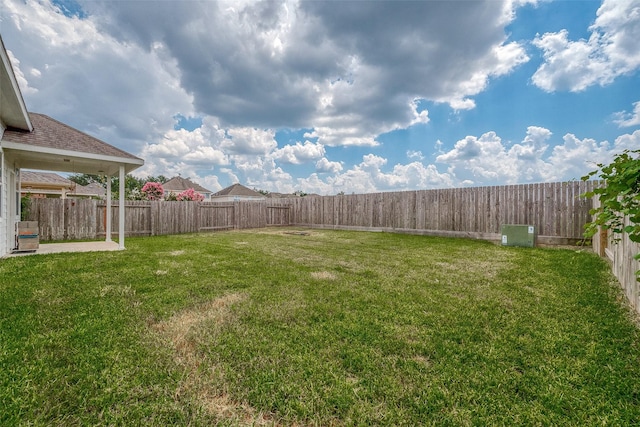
(180,328)
(181,332)
(323,275)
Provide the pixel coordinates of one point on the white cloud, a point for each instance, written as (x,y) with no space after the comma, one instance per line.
(624,119)
(299,153)
(325,166)
(534,144)
(248,140)
(22,81)
(611,51)
(349,72)
(76,73)
(483,159)
(575,157)
(415,155)
(369,176)
(626,142)
(290,63)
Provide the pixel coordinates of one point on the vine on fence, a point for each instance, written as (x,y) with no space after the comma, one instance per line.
(619,197)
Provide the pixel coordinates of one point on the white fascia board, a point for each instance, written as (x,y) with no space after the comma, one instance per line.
(68,153)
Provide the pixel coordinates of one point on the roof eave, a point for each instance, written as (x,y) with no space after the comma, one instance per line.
(66,158)
(14,97)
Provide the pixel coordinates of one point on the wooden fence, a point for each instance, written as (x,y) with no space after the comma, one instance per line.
(555,209)
(74,219)
(620,251)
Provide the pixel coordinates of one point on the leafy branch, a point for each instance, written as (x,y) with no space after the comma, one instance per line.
(619,197)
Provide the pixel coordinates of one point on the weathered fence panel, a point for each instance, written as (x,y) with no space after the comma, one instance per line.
(620,251)
(215,216)
(555,209)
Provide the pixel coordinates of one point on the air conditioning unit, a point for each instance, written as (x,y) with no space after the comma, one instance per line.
(518,235)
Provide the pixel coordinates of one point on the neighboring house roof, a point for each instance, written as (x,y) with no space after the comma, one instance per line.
(44,179)
(52,183)
(238,190)
(92,189)
(178,184)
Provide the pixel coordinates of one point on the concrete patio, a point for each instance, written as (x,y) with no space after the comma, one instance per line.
(54,248)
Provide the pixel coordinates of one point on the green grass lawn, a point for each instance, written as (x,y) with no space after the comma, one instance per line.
(330,328)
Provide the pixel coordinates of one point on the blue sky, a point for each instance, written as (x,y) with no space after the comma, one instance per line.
(339,96)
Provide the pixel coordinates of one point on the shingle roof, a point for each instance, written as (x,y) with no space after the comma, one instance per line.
(46,178)
(50,133)
(180,184)
(238,190)
(91,189)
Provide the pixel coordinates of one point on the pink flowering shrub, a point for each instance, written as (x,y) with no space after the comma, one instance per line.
(152,191)
(190,195)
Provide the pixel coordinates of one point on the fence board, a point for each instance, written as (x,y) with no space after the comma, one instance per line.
(555,209)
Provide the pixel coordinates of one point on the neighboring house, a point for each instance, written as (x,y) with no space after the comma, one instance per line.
(48,184)
(35,141)
(178,184)
(44,184)
(92,190)
(235,193)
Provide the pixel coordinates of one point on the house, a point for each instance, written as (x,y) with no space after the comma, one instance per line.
(178,184)
(92,190)
(36,141)
(44,184)
(48,184)
(235,193)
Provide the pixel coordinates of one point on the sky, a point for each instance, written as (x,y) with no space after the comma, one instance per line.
(332,97)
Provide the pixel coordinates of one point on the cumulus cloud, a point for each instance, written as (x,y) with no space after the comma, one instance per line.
(309,64)
(22,81)
(417,155)
(299,153)
(76,73)
(246,140)
(611,50)
(346,72)
(326,166)
(624,119)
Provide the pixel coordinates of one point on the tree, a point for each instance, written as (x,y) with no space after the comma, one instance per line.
(619,197)
(86,179)
(132,185)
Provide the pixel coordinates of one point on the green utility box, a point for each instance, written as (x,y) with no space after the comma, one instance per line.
(518,235)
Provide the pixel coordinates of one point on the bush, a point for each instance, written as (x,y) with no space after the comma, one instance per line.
(619,197)
(190,195)
(153,191)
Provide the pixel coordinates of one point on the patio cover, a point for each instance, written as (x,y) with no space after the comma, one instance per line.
(54,146)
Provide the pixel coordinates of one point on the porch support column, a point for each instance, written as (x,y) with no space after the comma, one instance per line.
(121,210)
(108,223)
